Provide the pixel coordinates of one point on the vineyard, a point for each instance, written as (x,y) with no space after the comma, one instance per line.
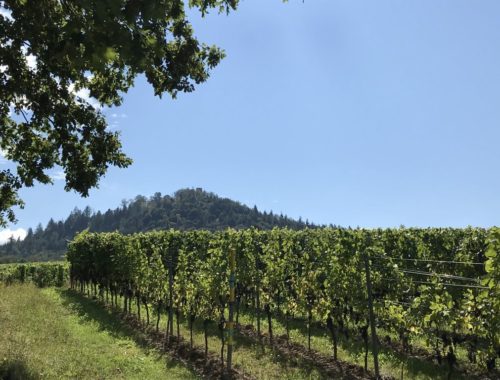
(430,291)
(40,274)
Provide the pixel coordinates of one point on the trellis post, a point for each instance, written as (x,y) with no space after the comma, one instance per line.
(230,323)
(372,316)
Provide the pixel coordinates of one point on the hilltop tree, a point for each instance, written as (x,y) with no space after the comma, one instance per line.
(62,61)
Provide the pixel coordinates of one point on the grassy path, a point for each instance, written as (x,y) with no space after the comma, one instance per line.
(59,334)
(44,336)
(248,356)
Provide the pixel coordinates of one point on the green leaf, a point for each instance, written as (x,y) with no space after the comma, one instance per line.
(489,266)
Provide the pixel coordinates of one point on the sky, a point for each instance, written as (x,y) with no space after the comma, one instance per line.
(354,113)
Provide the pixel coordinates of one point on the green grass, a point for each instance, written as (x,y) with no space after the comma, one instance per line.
(58,333)
(47,334)
(248,355)
(352,350)
(267,365)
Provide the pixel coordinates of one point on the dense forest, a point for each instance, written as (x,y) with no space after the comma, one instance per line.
(187,209)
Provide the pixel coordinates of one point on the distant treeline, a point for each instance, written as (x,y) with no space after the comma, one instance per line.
(187,209)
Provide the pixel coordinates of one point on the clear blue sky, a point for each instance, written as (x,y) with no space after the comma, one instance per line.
(356,113)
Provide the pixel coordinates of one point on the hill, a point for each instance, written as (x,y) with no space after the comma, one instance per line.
(186,209)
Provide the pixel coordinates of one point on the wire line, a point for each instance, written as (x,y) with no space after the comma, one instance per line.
(398,280)
(427,260)
(429,274)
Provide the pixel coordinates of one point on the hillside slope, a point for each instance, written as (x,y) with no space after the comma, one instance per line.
(186,209)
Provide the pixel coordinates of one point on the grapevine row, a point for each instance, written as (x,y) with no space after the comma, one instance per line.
(40,274)
(439,283)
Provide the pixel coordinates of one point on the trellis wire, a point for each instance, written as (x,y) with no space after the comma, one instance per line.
(428,260)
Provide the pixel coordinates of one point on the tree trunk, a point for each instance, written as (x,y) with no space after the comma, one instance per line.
(451,358)
(278,311)
(158,316)
(205,330)
(138,300)
(309,321)
(178,321)
(147,312)
(287,325)
(366,356)
(270,323)
(333,333)
(170,297)
(365,339)
(191,320)
(257,300)
(168,331)
(238,302)
(221,328)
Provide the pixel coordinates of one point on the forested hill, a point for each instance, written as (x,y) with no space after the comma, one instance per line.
(186,209)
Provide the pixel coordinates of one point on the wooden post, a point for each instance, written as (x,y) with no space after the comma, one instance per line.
(229,325)
(372,317)
(170,297)
(170,320)
(257,305)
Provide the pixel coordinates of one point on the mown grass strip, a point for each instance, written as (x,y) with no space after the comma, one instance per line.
(44,336)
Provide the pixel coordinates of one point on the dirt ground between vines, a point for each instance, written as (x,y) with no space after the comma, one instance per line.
(209,367)
(326,364)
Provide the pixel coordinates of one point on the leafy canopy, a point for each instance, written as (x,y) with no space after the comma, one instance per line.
(52,52)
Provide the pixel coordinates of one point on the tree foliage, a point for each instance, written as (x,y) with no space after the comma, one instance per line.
(52,51)
(187,209)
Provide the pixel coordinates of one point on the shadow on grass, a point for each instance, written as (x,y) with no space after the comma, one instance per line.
(93,311)
(415,367)
(109,320)
(260,351)
(16,370)
(90,310)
